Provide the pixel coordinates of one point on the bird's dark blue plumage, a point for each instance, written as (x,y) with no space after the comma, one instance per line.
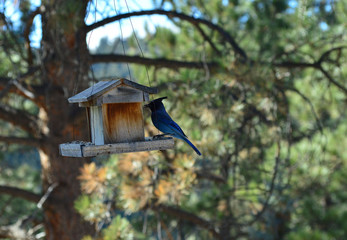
(162,120)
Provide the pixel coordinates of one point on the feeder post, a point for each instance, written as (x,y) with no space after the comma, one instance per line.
(96,125)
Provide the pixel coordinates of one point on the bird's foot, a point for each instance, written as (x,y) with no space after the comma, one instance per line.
(156,137)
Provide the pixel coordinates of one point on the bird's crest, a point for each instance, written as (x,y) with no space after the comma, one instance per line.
(159,99)
(155,104)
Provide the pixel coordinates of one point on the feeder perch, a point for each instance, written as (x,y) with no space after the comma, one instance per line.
(115,119)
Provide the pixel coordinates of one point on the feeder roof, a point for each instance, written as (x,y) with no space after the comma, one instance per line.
(104,86)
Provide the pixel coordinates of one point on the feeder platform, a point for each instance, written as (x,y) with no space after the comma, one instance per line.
(88,149)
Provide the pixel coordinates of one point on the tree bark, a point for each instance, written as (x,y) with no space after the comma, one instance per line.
(65,67)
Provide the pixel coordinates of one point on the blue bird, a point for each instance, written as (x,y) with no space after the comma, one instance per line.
(162,120)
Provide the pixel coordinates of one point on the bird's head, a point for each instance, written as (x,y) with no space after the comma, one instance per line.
(155,104)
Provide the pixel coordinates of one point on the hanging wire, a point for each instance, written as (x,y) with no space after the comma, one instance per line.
(138,43)
(121,36)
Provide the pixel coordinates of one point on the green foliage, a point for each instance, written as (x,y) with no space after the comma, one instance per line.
(272,137)
(271,127)
(120,229)
(17,173)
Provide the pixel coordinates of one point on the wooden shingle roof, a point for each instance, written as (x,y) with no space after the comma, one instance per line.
(104,86)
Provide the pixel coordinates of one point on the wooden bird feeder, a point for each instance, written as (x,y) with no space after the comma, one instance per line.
(115,119)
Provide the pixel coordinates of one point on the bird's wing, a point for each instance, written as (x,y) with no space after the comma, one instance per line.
(165,119)
(175,125)
(175,130)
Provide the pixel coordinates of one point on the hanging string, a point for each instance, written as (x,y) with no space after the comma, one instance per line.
(138,43)
(121,37)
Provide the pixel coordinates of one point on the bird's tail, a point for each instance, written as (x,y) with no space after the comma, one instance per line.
(192,145)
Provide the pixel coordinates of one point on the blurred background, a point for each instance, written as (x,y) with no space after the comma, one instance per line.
(258,86)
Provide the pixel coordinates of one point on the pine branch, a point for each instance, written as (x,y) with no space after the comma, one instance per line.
(332,80)
(317,65)
(20,193)
(26,33)
(34,142)
(173,14)
(210,176)
(157,62)
(187,216)
(20,118)
(8,85)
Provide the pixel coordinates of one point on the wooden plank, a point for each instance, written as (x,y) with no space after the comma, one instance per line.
(101,87)
(71,149)
(94,91)
(145,97)
(147,145)
(123,122)
(150,90)
(96,125)
(121,94)
(88,103)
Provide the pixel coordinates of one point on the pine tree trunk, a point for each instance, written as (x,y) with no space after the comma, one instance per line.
(64,65)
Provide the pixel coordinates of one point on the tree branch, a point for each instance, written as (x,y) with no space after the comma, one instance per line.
(317,65)
(34,142)
(6,84)
(157,62)
(210,176)
(332,80)
(272,186)
(306,99)
(327,53)
(19,118)
(208,39)
(184,215)
(20,193)
(26,33)
(173,14)
(289,64)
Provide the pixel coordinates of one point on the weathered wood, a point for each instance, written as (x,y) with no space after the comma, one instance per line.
(145,97)
(121,94)
(150,90)
(88,103)
(94,91)
(96,125)
(101,87)
(71,149)
(138,97)
(123,122)
(90,150)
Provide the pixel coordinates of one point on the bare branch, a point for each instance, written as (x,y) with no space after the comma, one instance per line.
(26,33)
(13,231)
(6,84)
(316,65)
(187,216)
(272,186)
(208,39)
(327,53)
(288,64)
(157,62)
(20,193)
(318,122)
(34,142)
(210,176)
(19,118)
(332,80)
(8,41)
(173,14)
